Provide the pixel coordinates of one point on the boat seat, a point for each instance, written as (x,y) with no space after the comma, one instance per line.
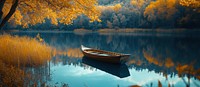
(103,54)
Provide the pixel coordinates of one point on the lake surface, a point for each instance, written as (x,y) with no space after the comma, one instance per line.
(171,58)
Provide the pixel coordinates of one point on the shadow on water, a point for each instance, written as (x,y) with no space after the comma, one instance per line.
(119,70)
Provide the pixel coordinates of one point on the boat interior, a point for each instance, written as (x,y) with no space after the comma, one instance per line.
(101,52)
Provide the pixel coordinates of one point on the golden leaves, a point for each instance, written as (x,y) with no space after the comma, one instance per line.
(117,7)
(163,9)
(190,3)
(18,17)
(169,63)
(138,3)
(74,53)
(31,12)
(152,59)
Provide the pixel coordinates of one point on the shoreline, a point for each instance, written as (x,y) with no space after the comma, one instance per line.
(126,30)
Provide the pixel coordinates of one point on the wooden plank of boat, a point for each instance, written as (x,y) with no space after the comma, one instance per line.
(105,56)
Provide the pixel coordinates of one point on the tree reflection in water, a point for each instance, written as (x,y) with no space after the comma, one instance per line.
(166,55)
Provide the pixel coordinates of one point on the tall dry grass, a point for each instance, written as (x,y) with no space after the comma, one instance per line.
(16,53)
(11,76)
(24,51)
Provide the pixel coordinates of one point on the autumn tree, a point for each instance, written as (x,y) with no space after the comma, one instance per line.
(138,7)
(160,11)
(190,14)
(31,12)
(115,7)
(191,3)
(173,13)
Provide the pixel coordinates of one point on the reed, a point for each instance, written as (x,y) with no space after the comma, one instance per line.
(11,76)
(24,51)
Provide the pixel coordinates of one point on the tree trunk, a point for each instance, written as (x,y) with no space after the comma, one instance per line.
(11,12)
(1,7)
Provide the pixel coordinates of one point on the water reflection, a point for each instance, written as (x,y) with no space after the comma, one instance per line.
(119,70)
(173,60)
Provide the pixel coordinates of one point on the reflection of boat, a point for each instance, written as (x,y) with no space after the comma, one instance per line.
(105,56)
(119,70)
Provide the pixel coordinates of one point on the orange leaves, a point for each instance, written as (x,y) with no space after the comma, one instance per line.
(117,7)
(138,3)
(167,9)
(149,11)
(152,59)
(194,4)
(74,53)
(169,63)
(32,12)
(11,76)
(185,69)
(190,3)
(18,17)
(163,9)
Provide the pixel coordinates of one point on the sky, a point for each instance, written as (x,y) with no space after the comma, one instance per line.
(76,76)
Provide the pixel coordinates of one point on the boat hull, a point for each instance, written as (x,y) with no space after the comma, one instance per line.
(111,56)
(111,59)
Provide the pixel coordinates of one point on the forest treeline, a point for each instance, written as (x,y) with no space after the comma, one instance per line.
(133,14)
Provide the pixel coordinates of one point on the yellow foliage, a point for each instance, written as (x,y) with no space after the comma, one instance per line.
(182,68)
(59,52)
(31,12)
(17,50)
(188,69)
(133,61)
(152,59)
(75,53)
(138,3)
(116,7)
(191,3)
(163,9)
(133,2)
(169,63)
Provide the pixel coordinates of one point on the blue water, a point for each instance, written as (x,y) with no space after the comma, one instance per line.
(154,57)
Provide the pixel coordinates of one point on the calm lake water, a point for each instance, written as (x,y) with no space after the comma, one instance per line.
(171,58)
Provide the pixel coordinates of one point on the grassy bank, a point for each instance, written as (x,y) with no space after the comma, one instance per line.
(120,30)
(18,53)
(135,30)
(17,50)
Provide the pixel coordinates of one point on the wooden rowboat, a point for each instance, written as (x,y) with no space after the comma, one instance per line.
(105,56)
